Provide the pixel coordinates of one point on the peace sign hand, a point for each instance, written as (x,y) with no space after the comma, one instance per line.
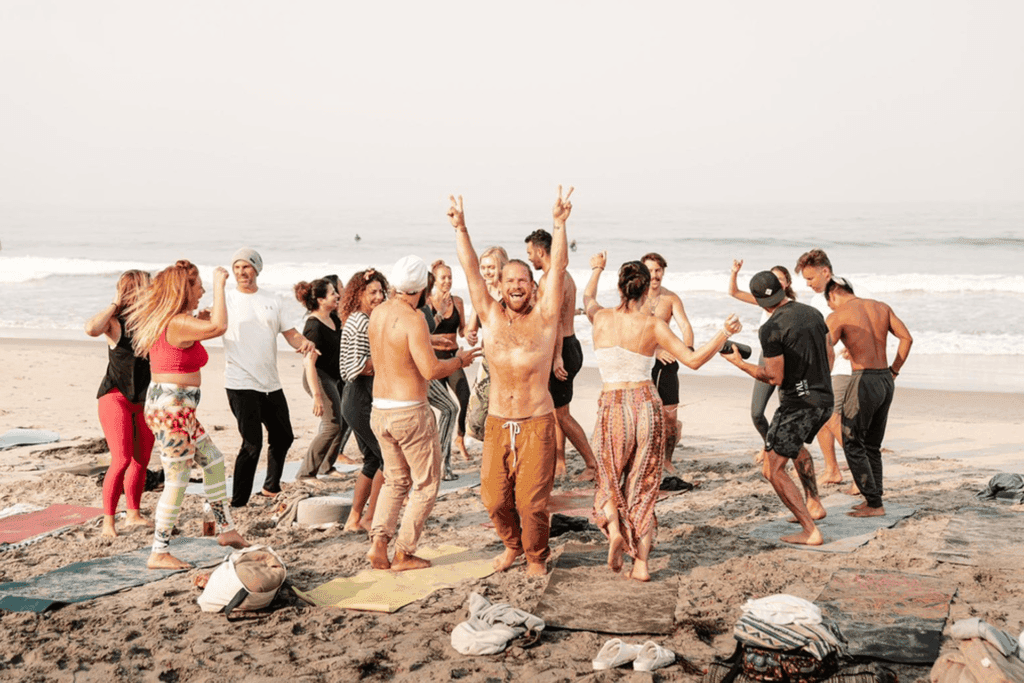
(456,214)
(563,207)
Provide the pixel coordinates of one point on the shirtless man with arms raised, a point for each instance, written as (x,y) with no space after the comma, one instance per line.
(402,419)
(518,467)
(667,305)
(863,325)
(567,361)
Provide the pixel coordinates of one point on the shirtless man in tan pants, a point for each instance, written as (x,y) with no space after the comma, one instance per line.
(402,419)
(518,467)
(863,325)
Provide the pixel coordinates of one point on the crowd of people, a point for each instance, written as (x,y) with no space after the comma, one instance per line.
(380,354)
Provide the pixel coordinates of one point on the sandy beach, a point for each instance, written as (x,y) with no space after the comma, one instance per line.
(941,448)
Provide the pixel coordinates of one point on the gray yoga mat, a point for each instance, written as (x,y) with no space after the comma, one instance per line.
(92,578)
(893,616)
(13,438)
(467,480)
(984,536)
(842,533)
(583,594)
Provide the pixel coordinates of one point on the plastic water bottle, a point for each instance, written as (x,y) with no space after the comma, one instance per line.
(209,523)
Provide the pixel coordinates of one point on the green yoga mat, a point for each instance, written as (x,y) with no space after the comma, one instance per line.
(90,579)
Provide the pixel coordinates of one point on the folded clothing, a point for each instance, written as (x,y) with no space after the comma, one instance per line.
(1003,641)
(819,640)
(491,627)
(783,609)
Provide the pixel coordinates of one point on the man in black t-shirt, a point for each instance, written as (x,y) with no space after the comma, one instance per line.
(798,359)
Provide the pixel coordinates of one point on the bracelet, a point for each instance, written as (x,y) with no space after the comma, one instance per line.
(894,373)
(597,268)
(726,332)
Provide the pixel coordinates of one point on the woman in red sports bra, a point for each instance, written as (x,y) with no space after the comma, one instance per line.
(164,327)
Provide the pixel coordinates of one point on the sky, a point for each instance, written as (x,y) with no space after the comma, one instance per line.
(324,104)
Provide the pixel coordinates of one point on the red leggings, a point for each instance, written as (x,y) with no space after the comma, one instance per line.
(131,443)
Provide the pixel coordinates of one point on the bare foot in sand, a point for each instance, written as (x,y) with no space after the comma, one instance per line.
(353,523)
(505,560)
(853,490)
(588,474)
(166,561)
(804,538)
(830,478)
(134,518)
(816,510)
(859,506)
(667,466)
(639,571)
(459,446)
(378,553)
(109,530)
(616,546)
(536,568)
(868,512)
(404,562)
(267,494)
(232,538)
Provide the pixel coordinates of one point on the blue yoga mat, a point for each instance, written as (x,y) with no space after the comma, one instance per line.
(90,579)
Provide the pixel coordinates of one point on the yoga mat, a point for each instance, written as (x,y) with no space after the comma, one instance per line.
(889,615)
(583,594)
(13,438)
(984,536)
(467,480)
(18,528)
(580,502)
(842,533)
(381,590)
(291,468)
(90,579)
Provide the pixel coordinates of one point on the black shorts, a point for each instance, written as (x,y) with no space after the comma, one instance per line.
(793,426)
(666,378)
(572,359)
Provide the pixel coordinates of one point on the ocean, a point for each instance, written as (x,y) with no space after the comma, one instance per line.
(951,271)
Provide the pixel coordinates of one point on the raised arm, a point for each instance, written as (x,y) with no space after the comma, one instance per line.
(900,331)
(186,328)
(478,294)
(551,298)
(597,263)
(694,359)
(735,291)
(105,322)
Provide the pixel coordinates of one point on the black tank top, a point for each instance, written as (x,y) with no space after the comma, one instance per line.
(126,372)
(447,325)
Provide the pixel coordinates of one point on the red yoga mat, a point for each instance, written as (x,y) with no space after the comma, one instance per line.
(20,527)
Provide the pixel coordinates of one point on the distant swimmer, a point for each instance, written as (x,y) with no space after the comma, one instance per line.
(572,245)
(863,325)
(797,358)
(518,469)
(358,237)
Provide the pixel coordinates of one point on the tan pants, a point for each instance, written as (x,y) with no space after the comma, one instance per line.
(412,462)
(516,478)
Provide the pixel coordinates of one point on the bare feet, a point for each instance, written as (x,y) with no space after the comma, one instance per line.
(616,546)
(853,490)
(268,494)
(404,562)
(868,512)
(232,538)
(505,560)
(639,571)
(378,553)
(353,523)
(668,467)
(109,530)
(804,538)
(166,561)
(828,478)
(816,510)
(859,506)
(588,474)
(536,568)
(134,518)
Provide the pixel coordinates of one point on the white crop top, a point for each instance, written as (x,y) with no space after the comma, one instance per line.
(622,365)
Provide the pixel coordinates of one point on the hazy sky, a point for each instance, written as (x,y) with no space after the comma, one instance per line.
(328,103)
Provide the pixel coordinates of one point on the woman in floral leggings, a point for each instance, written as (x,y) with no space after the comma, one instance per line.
(164,327)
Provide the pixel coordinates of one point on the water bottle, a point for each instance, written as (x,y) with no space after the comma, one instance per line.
(209,523)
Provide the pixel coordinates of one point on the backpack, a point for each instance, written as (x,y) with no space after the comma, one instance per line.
(247,580)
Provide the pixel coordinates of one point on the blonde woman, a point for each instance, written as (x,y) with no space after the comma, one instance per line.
(492,262)
(122,395)
(165,329)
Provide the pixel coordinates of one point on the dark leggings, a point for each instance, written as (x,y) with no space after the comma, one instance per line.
(759,402)
(460,385)
(356,404)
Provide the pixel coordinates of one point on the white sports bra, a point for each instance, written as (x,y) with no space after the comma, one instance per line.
(622,365)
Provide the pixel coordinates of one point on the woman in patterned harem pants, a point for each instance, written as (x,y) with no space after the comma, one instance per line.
(630,434)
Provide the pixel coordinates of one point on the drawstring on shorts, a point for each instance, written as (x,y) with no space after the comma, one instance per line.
(513,431)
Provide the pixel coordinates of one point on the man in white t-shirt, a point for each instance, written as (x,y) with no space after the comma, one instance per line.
(254,390)
(816,269)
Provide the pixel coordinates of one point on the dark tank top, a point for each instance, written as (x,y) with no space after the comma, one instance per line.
(126,372)
(447,325)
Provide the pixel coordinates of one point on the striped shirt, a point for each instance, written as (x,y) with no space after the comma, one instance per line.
(355,345)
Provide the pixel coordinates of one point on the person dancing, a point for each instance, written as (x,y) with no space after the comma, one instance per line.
(449,325)
(164,328)
(629,438)
(122,396)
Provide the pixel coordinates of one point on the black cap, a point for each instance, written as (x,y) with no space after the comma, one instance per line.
(767,289)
